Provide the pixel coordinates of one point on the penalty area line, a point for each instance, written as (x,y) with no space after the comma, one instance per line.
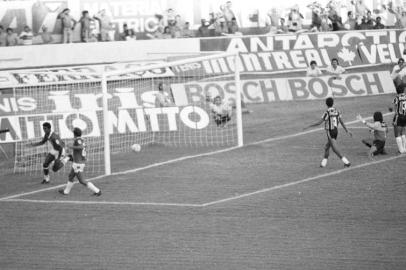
(313,178)
(154,165)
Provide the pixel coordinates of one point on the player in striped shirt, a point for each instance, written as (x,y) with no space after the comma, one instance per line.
(380,131)
(78,159)
(56,153)
(399,120)
(331,119)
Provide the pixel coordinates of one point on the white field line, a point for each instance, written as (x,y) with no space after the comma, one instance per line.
(179,159)
(313,178)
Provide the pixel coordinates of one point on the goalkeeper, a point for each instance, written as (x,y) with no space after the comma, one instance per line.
(380,131)
(222,111)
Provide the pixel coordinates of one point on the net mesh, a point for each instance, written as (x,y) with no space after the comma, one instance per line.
(169,105)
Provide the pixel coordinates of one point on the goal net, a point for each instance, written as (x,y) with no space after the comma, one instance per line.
(173,104)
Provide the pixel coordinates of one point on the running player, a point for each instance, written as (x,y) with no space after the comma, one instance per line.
(56,154)
(399,121)
(332,119)
(78,158)
(380,130)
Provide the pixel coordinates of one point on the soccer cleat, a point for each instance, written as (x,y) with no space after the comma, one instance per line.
(62,192)
(46,180)
(347,165)
(323,163)
(97,193)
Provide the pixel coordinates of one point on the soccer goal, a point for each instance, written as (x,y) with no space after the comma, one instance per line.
(170,104)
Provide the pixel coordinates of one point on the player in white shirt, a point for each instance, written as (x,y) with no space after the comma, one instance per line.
(335,69)
(222,111)
(313,70)
(398,72)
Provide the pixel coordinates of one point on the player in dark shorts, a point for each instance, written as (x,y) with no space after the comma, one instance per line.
(56,153)
(399,120)
(331,119)
(380,130)
(78,159)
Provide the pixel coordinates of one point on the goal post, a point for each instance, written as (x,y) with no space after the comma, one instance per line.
(168,104)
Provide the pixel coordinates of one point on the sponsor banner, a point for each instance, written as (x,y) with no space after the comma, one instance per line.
(128,113)
(289,52)
(36,77)
(285,89)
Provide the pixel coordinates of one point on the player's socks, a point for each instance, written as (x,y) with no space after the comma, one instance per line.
(68,187)
(404,142)
(92,187)
(46,179)
(346,161)
(400,145)
(323,162)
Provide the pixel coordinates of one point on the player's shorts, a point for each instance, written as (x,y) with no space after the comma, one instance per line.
(332,133)
(78,167)
(380,147)
(399,120)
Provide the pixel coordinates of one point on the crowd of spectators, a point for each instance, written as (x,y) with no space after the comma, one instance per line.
(221,23)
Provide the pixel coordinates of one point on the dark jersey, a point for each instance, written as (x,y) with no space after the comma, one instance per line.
(79,150)
(54,140)
(331,118)
(400,104)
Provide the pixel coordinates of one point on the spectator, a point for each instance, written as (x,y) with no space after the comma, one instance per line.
(93,37)
(378,23)
(351,21)
(369,20)
(203,30)
(46,36)
(128,34)
(272,20)
(104,25)
(170,17)
(313,70)
(335,69)
(283,28)
(398,72)
(325,23)
(228,13)
(220,27)
(3,37)
(175,29)
(186,31)
(402,20)
(11,38)
(363,25)
(388,16)
(295,20)
(167,33)
(68,24)
(316,19)
(85,21)
(360,8)
(26,36)
(232,27)
(336,24)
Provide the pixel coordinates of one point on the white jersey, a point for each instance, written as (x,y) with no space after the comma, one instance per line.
(222,109)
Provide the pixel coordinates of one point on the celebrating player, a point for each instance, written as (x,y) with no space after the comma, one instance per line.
(332,119)
(222,111)
(78,158)
(380,130)
(56,154)
(399,121)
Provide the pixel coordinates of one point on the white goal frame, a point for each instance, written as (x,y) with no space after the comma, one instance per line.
(106,75)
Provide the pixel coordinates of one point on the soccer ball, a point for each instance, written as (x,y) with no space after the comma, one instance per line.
(136,147)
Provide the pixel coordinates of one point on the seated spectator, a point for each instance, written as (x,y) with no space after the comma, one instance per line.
(186,31)
(351,21)
(313,70)
(3,37)
(46,36)
(378,23)
(203,30)
(11,38)
(26,36)
(85,21)
(335,69)
(128,34)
